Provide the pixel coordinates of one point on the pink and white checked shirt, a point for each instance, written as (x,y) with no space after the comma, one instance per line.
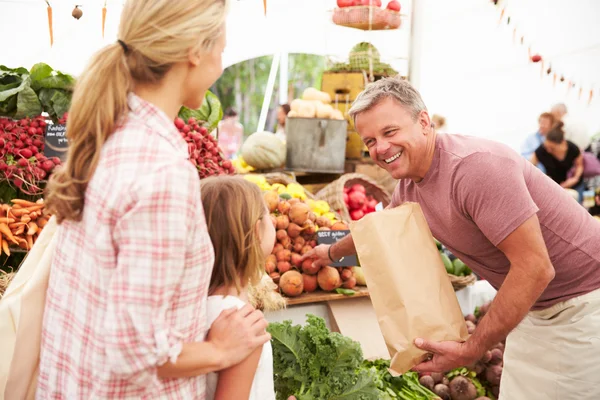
(129,283)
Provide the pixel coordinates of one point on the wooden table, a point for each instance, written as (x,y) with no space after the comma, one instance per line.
(320,297)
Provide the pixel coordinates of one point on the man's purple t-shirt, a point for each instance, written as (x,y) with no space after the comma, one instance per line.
(478,191)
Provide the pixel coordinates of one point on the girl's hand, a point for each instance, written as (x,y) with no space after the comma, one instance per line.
(237,333)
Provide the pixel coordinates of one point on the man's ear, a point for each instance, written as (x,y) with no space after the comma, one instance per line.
(425,122)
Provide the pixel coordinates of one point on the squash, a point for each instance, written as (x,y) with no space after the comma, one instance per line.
(337,114)
(292,114)
(324,111)
(314,94)
(303,108)
(264,150)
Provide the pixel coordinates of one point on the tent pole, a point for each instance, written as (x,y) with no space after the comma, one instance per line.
(262,119)
(283,79)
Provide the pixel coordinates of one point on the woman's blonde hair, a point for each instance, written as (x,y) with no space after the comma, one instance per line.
(154,35)
(232,207)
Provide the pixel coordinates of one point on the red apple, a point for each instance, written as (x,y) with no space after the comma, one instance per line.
(358,188)
(394,5)
(345,3)
(356,200)
(356,214)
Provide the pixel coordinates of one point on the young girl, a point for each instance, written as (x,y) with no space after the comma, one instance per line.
(242,235)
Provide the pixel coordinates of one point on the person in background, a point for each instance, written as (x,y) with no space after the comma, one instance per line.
(243,235)
(282,113)
(558,156)
(126,306)
(595,210)
(231,133)
(439,123)
(532,142)
(575,132)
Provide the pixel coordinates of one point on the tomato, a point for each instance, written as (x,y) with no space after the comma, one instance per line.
(345,3)
(394,5)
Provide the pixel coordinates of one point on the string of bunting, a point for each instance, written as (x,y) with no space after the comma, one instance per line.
(545,65)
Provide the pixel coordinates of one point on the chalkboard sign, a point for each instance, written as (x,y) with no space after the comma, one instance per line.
(56,142)
(330,237)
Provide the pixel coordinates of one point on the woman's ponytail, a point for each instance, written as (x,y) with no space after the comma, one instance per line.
(99,101)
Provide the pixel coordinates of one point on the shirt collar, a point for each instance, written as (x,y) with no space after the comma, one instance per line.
(154,118)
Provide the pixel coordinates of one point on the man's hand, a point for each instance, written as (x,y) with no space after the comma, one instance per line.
(320,255)
(446,355)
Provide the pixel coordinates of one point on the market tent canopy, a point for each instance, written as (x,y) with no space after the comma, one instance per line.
(290,26)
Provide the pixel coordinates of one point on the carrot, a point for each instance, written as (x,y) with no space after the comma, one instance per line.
(26,218)
(19,230)
(21,202)
(40,201)
(32,228)
(49,9)
(16,206)
(23,243)
(5,247)
(4,220)
(6,232)
(29,242)
(16,225)
(41,222)
(20,212)
(103,18)
(265,6)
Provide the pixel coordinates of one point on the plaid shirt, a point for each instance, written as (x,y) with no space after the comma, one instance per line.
(129,283)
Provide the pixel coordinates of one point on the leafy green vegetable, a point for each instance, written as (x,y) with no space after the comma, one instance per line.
(43,76)
(55,102)
(310,362)
(210,112)
(28,104)
(404,387)
(347,292)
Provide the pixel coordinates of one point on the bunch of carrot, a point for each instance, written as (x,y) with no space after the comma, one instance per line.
(21,223)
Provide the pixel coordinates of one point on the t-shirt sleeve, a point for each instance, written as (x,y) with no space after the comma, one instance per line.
(491,190)
(218,304)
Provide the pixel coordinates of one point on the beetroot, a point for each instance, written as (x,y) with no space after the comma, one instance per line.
(462,388)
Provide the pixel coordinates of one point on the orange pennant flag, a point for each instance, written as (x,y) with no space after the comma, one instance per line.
(590,98)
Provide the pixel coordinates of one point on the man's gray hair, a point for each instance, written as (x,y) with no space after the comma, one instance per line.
(395,88)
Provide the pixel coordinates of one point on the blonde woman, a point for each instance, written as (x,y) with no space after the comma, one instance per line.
(125,314)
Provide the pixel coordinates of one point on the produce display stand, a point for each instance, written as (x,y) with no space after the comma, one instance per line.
(322,297)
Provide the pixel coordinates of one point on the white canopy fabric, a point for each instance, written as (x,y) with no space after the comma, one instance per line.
(468,68)
(290,26)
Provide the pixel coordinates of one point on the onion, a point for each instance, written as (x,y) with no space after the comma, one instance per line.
(281,234)
(294,230)
(282,222)
(323,222)
(272,200)
(284,207)
(299,213)
(309,228)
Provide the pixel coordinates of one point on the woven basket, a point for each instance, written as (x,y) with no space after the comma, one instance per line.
(461,282)
(366,18)
(284,179)
(334,192)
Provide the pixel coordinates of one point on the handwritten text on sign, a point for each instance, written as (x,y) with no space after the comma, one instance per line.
(330,237)
(56,142)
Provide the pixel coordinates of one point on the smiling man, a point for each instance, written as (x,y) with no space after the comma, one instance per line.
(513,226)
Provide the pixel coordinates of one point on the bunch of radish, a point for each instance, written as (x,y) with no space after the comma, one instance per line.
(296,227)
(357,200)
(22,160)
(479,381)
(203,149)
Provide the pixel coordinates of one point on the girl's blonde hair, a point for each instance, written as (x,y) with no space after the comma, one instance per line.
(155,35)
(233,206)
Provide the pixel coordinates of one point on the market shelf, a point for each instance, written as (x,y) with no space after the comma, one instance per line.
(319,297)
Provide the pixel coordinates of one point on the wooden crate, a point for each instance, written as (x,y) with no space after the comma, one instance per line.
(316,145)
(344,107)
(354,146)
(343,86)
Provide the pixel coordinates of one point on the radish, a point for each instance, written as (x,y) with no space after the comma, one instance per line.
(179,123)
(26,153)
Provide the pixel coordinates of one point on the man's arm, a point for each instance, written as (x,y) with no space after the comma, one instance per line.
(569,183)
(530,273)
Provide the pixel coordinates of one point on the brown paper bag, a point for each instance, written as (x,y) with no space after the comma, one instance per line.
(407,281)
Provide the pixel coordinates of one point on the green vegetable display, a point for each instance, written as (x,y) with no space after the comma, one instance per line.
(210,112)
(29,93)
(310,362)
